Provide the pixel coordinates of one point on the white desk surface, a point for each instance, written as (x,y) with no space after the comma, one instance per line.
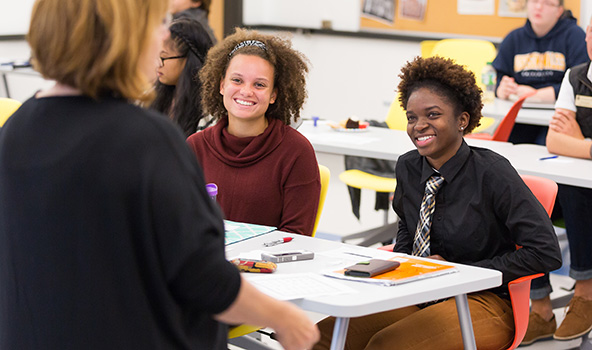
(368,298)
(380,143)
(384,143)
(530,113)
(526,158)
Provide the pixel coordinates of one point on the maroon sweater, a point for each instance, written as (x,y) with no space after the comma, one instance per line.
(270,179)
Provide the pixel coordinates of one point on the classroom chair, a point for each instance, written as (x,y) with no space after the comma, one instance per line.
(426,47)
(504,129)
(7,107)
(396,119)
(239,331)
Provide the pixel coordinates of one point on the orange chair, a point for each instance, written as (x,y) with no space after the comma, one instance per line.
(504,129)
(545,190)
(520,296)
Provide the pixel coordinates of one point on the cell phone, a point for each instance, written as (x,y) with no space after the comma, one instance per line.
(293,255)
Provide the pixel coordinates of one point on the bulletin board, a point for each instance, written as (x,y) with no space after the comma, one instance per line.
(441,17)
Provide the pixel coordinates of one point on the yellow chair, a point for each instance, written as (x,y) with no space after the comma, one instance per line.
(325,175)
(396,119)
(7,107)
(474,55)
(427,46)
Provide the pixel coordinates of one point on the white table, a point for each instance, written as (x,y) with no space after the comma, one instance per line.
(529,160)
(375,298)
(530,113)
(384,143)
(380,143)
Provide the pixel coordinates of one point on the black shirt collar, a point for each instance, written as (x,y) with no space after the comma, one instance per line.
(450,168)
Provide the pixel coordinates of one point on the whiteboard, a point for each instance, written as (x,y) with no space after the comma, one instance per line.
(15,16)
(341,15)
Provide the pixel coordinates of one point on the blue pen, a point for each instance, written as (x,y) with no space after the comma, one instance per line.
(551,157)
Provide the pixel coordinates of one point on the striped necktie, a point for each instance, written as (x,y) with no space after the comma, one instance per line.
(421,243)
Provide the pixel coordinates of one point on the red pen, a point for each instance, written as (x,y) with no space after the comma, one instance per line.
(279,241)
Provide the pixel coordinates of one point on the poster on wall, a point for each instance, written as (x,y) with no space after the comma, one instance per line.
(412,9)
(475,7)
(381,10)
(512,8)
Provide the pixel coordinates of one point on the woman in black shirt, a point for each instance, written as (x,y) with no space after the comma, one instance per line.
(482,211)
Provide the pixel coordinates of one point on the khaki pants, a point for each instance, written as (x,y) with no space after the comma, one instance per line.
(433,327)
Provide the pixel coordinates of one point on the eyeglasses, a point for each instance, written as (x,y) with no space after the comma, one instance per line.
(547,3)
(162,59)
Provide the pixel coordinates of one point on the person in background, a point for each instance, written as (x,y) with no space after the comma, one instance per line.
(482,210)
(198,10)
(254,85)
(108,239)
(570,131)
(534,58)
(178,90)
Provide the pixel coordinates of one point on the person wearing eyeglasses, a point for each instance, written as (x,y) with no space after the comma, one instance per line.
(534,58)
(178,90)
(108,238)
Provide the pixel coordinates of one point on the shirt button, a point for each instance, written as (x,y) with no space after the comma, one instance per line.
(439,218)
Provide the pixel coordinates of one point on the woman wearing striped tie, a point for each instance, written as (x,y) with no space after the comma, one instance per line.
(456,203)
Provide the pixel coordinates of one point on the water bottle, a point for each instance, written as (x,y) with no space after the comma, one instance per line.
(212,189)
(488,78)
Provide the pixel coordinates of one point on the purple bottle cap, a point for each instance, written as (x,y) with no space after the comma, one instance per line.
(212,189)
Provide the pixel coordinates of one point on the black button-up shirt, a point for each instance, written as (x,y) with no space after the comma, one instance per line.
(483,210)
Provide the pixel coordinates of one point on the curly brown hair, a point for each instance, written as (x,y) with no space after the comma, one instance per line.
(446,78)
(290,67)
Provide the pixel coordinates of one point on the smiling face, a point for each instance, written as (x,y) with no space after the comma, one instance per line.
(248,88)
(433,126)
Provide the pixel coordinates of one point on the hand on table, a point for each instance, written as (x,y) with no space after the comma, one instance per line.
(507,87)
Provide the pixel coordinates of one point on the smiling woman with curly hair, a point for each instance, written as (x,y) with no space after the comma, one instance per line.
(481,210)
(254,85)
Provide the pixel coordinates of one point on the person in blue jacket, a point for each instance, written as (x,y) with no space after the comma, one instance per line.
(534,58)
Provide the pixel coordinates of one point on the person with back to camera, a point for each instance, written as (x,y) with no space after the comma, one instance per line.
(198,10)
(482,210)
(266,172)
(534,58)
(108,239)
(178,90)
(570,131)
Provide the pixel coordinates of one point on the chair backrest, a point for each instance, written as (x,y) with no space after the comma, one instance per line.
(7,107)
(545,190)
(427,46)
(504,129)
(325,176)
(471,53)
(520,296)
(396,117)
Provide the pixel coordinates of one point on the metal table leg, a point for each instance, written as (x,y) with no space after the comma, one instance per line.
(466,326)
(339,333)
